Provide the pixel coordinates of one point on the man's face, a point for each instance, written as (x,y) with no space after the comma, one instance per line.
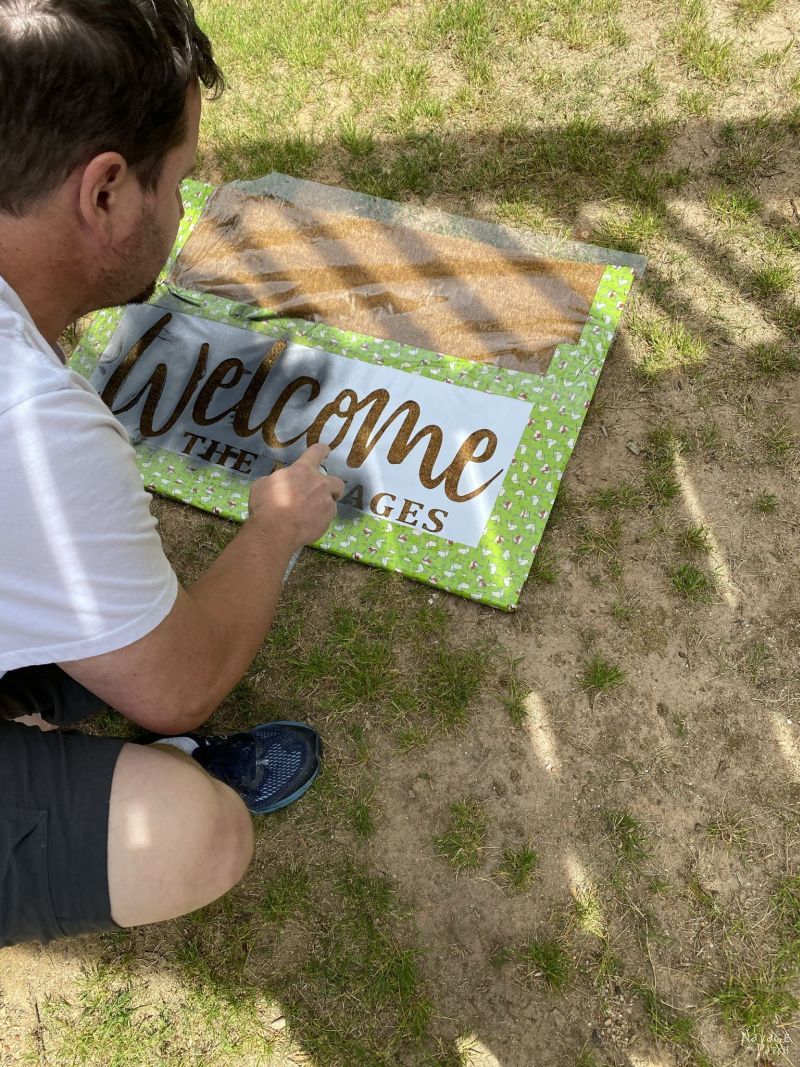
(136,263)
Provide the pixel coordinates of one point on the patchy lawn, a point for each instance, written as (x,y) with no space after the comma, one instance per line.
(568,837)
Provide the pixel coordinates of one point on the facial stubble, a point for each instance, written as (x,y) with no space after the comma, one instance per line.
(140,256)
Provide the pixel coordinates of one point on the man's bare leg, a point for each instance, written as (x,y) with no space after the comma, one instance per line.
(177,838)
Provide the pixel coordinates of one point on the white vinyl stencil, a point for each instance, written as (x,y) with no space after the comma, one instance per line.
(422,453)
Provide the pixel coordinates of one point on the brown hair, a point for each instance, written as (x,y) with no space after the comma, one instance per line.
(81,77)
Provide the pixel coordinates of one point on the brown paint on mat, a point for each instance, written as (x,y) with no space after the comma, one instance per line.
(446,294)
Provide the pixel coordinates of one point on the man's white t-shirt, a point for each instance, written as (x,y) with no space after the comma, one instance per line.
(82,569)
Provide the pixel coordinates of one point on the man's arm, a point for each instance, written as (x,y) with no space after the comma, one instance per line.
(171,680)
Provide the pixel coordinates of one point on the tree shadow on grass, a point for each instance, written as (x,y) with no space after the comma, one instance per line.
(635,182)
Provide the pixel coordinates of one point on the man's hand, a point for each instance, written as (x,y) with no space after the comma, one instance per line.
(298,503)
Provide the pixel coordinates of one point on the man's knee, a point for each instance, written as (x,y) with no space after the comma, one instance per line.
(229,846)
(178,839)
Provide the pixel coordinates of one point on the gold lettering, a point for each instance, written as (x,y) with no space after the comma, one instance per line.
(479,446)
(468,454)
(433,516)
(381,510)
(193,439)
(129,361)
(217,380)
(346,406)
(244,409)
(245,461)
(409,510)
(270,423)
(154,386)
(403,443)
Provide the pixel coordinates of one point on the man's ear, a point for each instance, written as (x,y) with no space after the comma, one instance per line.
(106,196)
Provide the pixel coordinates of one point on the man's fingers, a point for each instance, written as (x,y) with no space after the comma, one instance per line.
(315,455)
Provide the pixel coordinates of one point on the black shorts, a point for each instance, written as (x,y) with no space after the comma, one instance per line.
(55,790)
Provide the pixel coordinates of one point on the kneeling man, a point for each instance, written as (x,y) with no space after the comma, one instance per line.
(99,112)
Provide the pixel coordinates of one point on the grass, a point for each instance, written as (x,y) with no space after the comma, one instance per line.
(646,90)
(114,1019)
(624,496)
(466,28)
(707,440)
(361,817)
(772,360)
(518,868)
(589,912)
(733,206)
(664,1021)
(576,25)
(516,689)
(463,843)
(759,1005)
(680,727)
(711,57)
(544,570)
(358,958)
(454,680)
(747,10)
(357,664)
(547,961)
(779,442)
(691,583)
(786,899)
(661,448)
(586,1058)
(126,1038)
(608,967)
(599,675)
(755,661)
(765,503)
(733,833)
(628,838)
(357,141)
(772,281)
(624,610)
(667,346)
(661,482)
(286,894)
(631,230)
(694,103)
(695,540)
(603,541)
(299,35)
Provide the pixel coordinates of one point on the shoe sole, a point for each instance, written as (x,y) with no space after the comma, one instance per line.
(309,782)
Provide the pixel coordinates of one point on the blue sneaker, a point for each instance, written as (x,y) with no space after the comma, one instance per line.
(270,766)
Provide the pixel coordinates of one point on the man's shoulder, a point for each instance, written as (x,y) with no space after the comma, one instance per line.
(38,392)
(25,370)
(30,376)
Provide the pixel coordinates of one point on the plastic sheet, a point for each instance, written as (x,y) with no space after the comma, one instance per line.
(433,281)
